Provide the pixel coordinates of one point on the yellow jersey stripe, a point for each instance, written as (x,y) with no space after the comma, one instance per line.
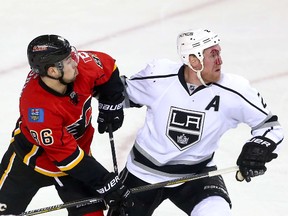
(16,132)
(114,68)
(30,154)
(49,173)
(73,163)
(6,172)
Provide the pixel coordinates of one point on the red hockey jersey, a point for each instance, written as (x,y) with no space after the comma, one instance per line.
(55,130)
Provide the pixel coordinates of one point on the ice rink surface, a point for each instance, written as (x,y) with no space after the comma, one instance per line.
(254,41)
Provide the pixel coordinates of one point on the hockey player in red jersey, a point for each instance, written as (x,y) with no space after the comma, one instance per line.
(190,105)
(51,141)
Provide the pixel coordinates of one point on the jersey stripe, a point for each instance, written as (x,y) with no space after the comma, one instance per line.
(154,77)
(33,151)
(73,163)
(235,92)
(49,173)
(6,172)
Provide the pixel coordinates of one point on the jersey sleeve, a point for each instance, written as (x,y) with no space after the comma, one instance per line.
(147,85)
(138,87)
(107,64)
(254,111)
(105,75)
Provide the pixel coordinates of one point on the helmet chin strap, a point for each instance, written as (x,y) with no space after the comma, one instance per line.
(60,67)
(60,79)
(198,72)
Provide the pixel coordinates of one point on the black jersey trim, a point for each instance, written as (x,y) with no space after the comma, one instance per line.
(171,169)
(240,95)
(153,77)
(23,147)
(52,91)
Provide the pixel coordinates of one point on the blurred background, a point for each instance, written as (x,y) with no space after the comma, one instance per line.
(254,44)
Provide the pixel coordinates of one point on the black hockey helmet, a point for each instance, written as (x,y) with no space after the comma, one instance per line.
(45,51)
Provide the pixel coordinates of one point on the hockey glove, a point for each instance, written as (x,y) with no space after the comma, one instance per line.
(255,153)
(115,194)
(110,113)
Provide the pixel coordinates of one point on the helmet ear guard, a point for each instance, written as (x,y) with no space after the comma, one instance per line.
(194,42)
(46,51)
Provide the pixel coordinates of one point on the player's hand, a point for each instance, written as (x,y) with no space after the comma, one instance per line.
(115,194)
(110,113)
(253,157)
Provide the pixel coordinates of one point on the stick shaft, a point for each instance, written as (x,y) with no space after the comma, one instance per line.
(133,190)
(184,179)
(83,202)
(111,139)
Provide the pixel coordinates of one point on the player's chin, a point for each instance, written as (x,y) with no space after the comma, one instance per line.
(217,76)
(74,78)
(217,73)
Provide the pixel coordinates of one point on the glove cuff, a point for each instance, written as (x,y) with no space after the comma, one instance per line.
(110,107)
(264,141)
(111,183)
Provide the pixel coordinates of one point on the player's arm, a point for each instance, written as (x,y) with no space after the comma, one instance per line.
(266,137)
(128,103)
(86,169)
(109,91)
(110,97)
(141,88)
(62,149)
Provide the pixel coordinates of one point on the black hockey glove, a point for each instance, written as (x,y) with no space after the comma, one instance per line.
(110,113)
(255,153)
(115,194)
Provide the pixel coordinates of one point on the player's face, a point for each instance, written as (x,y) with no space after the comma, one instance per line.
(212,64)
(70,68)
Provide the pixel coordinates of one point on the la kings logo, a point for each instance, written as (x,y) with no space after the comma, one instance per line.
(184,127)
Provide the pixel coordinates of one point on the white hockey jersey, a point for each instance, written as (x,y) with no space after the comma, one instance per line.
(182,130)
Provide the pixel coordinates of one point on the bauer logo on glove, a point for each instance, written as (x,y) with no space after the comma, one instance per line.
(253,157)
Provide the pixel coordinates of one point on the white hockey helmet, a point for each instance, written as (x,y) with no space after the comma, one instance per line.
(194,42)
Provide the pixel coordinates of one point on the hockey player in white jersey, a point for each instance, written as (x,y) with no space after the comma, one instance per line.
(189,107)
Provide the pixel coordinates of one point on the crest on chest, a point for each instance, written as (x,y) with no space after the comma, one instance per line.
(184,127)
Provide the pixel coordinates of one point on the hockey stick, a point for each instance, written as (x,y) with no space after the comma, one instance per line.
(134,190)
(79,203)
(111,138)
(184,179)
